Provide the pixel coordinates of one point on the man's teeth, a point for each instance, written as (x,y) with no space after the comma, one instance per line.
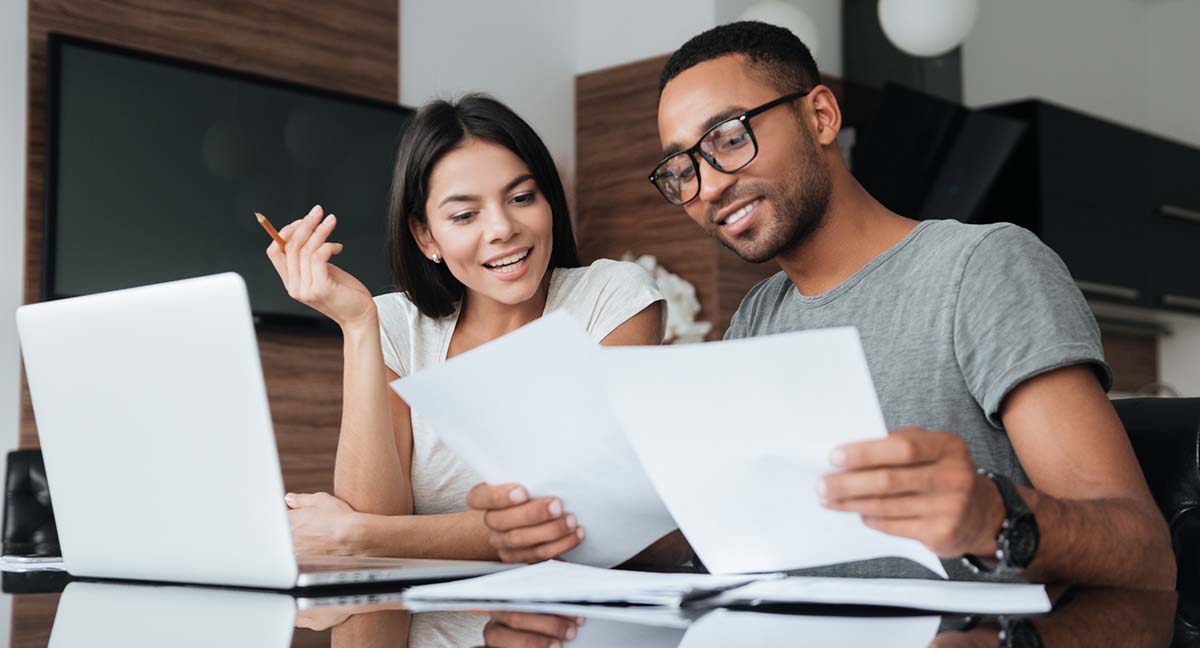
(510,260)
(741,213)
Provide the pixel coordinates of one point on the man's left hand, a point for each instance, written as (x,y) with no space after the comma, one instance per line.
(918,484)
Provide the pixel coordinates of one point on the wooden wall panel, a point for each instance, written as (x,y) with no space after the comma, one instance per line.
(349,46)
(617,210)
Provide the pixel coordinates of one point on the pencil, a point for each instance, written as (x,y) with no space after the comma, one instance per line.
(266,224)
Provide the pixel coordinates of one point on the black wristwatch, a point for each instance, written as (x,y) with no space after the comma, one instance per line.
(1018,632)
(1017,540)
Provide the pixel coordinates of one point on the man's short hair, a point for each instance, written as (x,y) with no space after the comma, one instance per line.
(782,59)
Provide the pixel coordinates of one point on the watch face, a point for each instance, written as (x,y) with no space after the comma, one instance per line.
(1022,541)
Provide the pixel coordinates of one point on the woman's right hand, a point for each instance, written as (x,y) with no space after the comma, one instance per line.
(522,530)
(311,279)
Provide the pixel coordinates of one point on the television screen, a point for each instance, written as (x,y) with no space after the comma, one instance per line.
(155,168)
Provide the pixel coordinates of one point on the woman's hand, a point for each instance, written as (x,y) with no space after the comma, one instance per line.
(530,630)
(311,279)
(523,530)
(322,525)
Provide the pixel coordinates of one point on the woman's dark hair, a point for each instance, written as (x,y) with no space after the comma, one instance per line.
(438,128)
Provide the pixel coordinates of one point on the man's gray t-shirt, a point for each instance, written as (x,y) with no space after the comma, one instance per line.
(952,318)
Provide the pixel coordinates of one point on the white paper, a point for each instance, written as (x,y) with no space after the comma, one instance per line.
(559,582)
(530,408)
(912,593)
(735,436)
(721,628)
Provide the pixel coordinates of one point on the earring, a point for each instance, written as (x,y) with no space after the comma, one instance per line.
(436,258)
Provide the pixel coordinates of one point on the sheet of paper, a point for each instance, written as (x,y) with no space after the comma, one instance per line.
(559,582)
(722,628)
(735,435)
(530,408)
(911,593)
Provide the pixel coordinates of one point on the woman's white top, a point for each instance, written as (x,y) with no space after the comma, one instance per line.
(601,297)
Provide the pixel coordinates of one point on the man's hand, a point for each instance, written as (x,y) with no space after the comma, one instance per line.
(918,484)
(523,530)
(321,524)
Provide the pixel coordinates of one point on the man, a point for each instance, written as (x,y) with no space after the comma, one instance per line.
(983,351)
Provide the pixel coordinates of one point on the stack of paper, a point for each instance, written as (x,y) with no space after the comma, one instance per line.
(910,593)
(559,582)
(555,581)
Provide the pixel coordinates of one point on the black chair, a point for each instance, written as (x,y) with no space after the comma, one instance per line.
(29,528)
(1165,433)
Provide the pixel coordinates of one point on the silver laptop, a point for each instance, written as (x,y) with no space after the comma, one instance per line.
(153,420)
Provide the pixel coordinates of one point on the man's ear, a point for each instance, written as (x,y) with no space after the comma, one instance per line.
(826,115)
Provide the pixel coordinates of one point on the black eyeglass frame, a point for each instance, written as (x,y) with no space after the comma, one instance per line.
(691,152)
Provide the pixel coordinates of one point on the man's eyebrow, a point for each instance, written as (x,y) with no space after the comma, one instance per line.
(717,118)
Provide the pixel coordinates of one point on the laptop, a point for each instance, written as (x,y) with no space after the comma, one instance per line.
(160,454)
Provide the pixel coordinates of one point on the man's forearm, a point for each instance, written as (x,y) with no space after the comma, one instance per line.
(1116,542)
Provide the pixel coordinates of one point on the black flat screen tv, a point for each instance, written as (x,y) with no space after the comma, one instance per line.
(155,167)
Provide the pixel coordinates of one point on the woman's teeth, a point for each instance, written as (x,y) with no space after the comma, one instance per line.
(508,263)
(741,213)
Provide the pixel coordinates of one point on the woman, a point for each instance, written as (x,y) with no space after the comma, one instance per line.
(481,244)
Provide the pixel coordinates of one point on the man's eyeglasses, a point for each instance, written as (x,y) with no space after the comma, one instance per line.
(727,147)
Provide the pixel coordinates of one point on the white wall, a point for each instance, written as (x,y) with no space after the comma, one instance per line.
(13,57)
(1126,60)
(523,52)
(826,14)
(1089,54)
(621,31)
(14,49)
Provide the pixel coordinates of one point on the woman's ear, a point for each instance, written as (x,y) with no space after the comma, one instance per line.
(424,238)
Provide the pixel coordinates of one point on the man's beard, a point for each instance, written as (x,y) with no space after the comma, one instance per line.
(799,202)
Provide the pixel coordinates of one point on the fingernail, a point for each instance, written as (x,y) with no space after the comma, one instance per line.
(289,498)
(580,621)
(579,534)
(821,490)
(571,524)
(571,632)
(838,457)
(555,508)
(517,495)
(555,644)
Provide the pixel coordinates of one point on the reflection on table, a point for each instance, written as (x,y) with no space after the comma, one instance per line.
(125,614)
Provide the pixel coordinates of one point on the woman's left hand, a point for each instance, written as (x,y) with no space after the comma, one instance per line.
(321,524)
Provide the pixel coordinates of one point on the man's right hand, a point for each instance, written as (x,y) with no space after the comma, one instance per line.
(524,530)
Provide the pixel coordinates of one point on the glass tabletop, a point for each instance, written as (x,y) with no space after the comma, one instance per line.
(48,609)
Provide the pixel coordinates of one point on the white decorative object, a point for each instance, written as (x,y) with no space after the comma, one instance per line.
(682,305)
(927,27)
(788,16)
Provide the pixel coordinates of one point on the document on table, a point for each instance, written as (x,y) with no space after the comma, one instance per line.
(554,581)
(912,593)
(736,434)
(530,408)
